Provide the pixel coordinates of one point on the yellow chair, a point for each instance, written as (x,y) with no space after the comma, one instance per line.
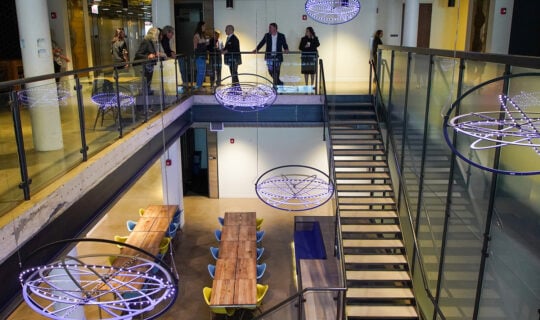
(164,245)
(259,222)
(111,259)
(262,289)
(141,212)
(122,239)
(207,293)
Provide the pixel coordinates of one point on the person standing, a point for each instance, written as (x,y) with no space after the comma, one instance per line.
(308,45)
(167,34)
(375,45)
(59,58)
(232,53)
(119,48)
(200,44)
(148,49)
(276,44)
(214,48)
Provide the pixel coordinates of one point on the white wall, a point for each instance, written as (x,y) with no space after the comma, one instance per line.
(257,150)
(499,27)
(344,47)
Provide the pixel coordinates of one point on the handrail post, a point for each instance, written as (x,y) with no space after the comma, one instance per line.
(17,127)
(82,125)
(118,103)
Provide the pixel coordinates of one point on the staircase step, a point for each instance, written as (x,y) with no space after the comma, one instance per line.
(371,228)
(365,200)
(338,164)
(365,275)
(375,259)
(359,169)
(381,312)
(364,187)
(372,243)
(369,214)
(359,152)
(353,104)
(347,130)
(353,122)
(371,142)
(360,112)
(362,175)
(379,293)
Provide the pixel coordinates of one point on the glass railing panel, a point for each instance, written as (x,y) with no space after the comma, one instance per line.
(396,108)
(511,286)
(51,134)
(288,311)
(10,175)
(385,74)
(463,246)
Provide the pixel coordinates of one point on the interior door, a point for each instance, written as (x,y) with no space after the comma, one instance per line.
(424,25)
(211,143)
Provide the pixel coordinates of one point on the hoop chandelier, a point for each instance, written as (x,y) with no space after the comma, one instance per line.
(142,288)
(513,125)
(332,11)
(246,96)
(294,188)
(43,95)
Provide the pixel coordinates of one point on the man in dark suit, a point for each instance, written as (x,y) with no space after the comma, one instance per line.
(276,44)
(231,50)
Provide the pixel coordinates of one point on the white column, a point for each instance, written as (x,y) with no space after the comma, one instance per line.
(36,49)
(410,23)
(171,171)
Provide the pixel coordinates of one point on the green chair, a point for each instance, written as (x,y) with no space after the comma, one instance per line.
(207,293)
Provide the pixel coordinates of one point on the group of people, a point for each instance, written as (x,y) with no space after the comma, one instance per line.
(156,45)
(274,41)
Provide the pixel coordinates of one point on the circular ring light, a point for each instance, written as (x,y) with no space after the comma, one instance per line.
(44,95)
(246,96)
(514,123)
(332,11)
(294,188)
(137,286)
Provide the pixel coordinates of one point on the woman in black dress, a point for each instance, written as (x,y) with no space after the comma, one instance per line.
(308,46)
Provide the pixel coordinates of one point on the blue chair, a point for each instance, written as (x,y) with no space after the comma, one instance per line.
(261,268)
(211,270)
(176,217)
(221,220)
(217,233)
(259,253)
(260,236)
(173,227)
(215,252)
(131,225)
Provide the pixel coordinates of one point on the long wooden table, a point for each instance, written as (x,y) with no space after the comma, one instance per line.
(235,280)
(151,228)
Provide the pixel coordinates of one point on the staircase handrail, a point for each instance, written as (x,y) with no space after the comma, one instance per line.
(295,296)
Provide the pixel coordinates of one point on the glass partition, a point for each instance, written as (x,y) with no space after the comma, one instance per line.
(471,235)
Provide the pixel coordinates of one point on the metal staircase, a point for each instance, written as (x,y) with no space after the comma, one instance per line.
(376,268)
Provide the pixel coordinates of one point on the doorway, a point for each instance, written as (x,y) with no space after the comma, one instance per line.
(199,162)
(424,25)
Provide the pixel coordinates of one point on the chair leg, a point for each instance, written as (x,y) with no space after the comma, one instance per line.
(97,117)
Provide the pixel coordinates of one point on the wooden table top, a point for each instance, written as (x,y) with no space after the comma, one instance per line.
(240,218)
(235,280)
(163,211)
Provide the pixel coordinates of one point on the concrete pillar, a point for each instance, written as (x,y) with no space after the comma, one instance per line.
(37,57)
(410,23)
(171,171)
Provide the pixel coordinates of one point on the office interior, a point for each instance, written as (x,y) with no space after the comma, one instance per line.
(461,267)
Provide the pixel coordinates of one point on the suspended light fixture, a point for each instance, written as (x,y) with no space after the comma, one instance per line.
(134,287)
(294,188)
(246,96)
(332,11)
(229,4)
